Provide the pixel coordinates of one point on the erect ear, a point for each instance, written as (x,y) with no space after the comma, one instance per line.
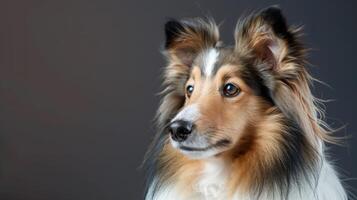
(186,38)
(266,36)
(274,51)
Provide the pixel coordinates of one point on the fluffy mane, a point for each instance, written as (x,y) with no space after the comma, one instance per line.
(276,66)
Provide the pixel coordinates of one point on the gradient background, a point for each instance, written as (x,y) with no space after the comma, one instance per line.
(78,84)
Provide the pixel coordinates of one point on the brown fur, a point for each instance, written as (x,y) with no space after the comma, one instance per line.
(265,130)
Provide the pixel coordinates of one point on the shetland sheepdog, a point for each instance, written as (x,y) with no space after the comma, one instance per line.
(239,121)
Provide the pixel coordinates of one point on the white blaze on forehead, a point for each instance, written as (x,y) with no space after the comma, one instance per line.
(190,113)
(209,60)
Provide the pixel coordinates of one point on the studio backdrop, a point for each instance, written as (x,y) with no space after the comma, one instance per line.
(79,81)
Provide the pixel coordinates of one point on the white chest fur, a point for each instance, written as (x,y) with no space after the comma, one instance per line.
(211,184)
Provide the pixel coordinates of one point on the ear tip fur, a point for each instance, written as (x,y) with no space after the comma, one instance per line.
(171,22)
(273,8)
(172,28)
(198,31)
(274,16)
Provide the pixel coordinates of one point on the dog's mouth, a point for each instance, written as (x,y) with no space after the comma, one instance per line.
(219,144)
(199,146)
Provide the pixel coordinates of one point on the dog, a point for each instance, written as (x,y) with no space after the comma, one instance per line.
(239,122)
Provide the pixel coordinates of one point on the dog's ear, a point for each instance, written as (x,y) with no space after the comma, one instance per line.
(266,36)
(186,38)
(275,53)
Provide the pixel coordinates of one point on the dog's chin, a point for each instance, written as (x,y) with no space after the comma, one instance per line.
(193,151)
(200,154)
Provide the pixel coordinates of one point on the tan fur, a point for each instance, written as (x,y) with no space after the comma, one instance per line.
(184,171)
(251,145)
(191,41)
(255,37)
(262,148)
(257,125)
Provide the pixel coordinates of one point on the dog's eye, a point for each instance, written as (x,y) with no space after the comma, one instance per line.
(189,90)
(230,90)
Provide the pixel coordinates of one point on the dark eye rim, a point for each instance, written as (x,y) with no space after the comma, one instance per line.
(230,95)
(188,92)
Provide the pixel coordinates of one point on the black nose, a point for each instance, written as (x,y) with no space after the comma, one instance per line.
(180,130)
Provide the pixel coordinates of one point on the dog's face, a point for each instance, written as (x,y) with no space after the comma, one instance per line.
(216,95)
(219,106)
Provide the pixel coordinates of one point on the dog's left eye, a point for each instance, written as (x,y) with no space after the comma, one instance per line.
(230,90)
(189,90)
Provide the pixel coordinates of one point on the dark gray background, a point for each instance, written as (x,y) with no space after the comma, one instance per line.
(78,84)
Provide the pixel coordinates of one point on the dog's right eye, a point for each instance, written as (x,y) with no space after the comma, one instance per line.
(189,90)
(230,90)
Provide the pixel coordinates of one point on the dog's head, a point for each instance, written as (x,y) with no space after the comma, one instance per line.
(216,95)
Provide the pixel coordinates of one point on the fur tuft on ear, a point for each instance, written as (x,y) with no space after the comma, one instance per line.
(274,51)
(186,38)
(276,20)
(265,35)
